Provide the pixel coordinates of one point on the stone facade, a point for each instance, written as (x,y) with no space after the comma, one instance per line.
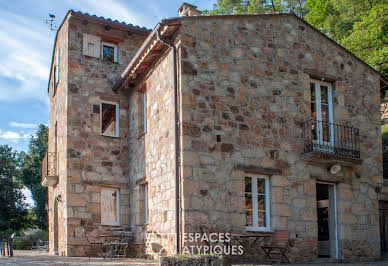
(87,161)
(243,95)
(152,157)
(58,118)
(247,83)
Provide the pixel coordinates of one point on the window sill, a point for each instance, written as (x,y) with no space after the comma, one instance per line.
(100,59)
(108,61)
(141,134)
(118,225)
(110,136)
(259,230)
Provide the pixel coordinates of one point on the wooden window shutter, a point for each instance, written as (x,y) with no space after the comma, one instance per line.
(91,45)
(109,205)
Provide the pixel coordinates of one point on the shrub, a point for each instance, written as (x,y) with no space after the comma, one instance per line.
(29,238)
(384,131)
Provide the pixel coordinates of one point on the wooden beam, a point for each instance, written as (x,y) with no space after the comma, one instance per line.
(321,75)
(106,184)
(252,169)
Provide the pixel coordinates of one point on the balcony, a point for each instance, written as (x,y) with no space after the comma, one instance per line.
(331,143)
(49,170)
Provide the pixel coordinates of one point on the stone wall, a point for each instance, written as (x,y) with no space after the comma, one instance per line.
(91,160)
(152,159)
(58,114)
(243,78)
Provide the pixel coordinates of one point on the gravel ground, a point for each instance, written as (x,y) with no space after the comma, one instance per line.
(27,257)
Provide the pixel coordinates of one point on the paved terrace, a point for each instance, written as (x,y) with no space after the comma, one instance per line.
(27,257)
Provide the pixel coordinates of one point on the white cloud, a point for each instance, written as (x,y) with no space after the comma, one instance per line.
(25,57)
(14,136)
(22,125)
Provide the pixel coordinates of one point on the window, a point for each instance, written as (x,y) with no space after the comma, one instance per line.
(109,119)
(109,52)
(93,46)
(55,77)
(142,112)
(257,207)
(146,203)
(322,111)
(110,206)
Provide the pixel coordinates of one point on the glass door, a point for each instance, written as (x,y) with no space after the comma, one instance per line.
(322,114)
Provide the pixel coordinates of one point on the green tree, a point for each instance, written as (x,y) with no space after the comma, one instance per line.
(13,212)
(31,174)
(361,26)
(225,7)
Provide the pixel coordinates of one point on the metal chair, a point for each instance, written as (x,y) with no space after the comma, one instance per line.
(276,252)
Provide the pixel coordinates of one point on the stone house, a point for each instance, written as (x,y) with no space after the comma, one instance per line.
(235,123)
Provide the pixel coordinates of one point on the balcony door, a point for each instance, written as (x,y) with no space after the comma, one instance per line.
(322,115)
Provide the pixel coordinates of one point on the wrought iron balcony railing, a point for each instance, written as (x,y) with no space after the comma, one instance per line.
(49,166)
(331,139)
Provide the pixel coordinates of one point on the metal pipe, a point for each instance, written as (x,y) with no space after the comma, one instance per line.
(177,179)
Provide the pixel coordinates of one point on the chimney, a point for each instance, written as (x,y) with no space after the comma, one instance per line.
(188,10)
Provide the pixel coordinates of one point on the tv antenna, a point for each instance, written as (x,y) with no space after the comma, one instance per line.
(51,22)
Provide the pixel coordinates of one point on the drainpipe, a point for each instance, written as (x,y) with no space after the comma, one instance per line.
(177,183)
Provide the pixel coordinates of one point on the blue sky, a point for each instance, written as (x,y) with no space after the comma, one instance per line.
(26,46)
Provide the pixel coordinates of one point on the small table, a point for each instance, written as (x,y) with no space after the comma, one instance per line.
(116,248)
(259,238)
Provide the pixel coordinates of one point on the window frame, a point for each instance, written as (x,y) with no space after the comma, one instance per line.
(117,223)
(318,109)
(255,210)
(117,118)
(144,112)
(115,51)
(146,216)
(54,83)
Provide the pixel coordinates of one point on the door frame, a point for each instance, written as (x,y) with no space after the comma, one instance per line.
(333,206)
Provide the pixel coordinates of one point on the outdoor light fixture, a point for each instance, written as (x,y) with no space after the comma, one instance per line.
(58,198)
(334,169)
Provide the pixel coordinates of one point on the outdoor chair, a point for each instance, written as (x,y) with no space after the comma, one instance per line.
(278,249)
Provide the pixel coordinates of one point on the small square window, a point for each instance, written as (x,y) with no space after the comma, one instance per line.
(109,116)
(110,206)
(109,52)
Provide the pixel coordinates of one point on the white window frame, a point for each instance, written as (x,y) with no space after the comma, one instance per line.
(146,203)
(117,210)
(255,211)
(54,83)
(114,46)
(57,65)
(318,106)
(145,112)
(117,118)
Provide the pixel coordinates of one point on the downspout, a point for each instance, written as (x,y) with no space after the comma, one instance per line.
(177,183)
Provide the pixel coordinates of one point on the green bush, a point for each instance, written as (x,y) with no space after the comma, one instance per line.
(20,244)
(384,131)
(27,240)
